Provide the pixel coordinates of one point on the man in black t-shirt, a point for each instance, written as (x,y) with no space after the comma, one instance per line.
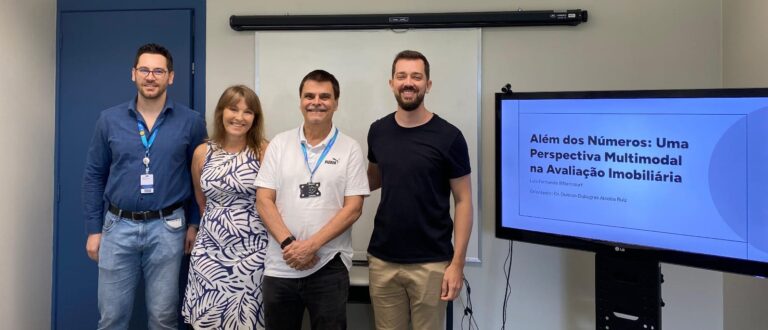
(419,160)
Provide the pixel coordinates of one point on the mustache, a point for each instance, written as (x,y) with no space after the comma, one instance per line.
(409,89)
(317,108)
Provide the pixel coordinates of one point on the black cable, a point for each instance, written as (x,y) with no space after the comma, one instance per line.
(508,288)
(468,309)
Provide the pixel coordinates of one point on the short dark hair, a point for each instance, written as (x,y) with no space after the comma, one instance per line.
(152,48)
(321,76)
(411,55)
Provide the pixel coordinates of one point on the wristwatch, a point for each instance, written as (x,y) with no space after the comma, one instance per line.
(287,241)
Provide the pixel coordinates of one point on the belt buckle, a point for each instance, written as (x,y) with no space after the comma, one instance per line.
(140,216)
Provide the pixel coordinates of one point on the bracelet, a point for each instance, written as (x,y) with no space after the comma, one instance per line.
(287,241)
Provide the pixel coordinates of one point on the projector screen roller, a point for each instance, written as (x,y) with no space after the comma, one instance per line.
(679,173)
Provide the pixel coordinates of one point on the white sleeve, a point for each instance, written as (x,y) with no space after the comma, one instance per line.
(357,177)
(270,166)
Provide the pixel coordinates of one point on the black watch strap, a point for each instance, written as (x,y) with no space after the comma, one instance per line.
(287,241)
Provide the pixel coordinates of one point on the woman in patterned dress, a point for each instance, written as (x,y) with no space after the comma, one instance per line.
(227,262)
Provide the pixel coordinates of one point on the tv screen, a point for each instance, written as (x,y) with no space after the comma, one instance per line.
(681,175)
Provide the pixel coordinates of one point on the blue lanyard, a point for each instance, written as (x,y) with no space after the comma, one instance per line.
(147,144)
(322,155)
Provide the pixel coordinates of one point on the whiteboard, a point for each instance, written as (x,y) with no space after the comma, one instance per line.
(361,61)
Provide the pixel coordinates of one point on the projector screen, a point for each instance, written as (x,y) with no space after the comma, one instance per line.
(680,174)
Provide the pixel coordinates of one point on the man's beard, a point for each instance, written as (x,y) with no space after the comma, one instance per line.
(160,90)
(412,105)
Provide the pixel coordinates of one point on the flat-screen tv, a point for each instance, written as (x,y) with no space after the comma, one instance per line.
(677,175)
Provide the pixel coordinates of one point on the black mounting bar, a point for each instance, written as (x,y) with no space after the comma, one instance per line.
(570,17)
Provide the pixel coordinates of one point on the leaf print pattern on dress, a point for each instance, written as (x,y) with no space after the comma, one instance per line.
(227,262)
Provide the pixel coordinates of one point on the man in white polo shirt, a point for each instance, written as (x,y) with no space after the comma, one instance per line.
(311,187)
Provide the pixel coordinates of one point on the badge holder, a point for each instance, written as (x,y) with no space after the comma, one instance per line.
(309,189)
(147,179)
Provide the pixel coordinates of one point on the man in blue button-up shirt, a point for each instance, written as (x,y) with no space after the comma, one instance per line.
(136,187)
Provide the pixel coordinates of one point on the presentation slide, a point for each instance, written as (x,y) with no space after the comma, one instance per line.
(683,174)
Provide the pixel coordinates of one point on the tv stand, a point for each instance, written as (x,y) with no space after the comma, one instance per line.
(627,292)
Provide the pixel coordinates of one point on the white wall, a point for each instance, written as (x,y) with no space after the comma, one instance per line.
(627,44)
(27,85)
(745,50)
(745,64)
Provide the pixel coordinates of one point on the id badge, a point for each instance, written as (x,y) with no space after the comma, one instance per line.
(147,183)
(310,189)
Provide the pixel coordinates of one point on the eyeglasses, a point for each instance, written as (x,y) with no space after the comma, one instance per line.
(157,73)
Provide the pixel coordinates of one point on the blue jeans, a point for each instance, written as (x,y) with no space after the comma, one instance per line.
(323,294)
(131,248)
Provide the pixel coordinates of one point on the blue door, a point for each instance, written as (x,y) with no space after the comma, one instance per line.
(95,57)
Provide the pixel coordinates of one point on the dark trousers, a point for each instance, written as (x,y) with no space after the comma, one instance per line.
(323,294)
